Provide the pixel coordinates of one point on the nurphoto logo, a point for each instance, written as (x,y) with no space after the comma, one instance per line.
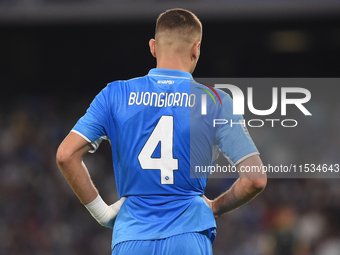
(239,105)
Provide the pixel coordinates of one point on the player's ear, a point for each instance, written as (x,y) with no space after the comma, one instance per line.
(195,51)
(152,44)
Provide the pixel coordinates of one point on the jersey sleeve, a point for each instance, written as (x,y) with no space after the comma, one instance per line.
(93,125)
(232,137)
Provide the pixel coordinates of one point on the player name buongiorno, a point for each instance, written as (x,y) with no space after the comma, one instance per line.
(162,99)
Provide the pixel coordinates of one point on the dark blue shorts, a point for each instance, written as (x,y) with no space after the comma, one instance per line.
(183,244)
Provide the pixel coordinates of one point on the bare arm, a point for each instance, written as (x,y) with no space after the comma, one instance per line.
(69,160)
(242,191)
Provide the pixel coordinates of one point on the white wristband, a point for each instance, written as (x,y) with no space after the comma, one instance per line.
(104,213)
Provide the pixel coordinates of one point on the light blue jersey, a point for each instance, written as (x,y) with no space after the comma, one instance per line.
(160,131)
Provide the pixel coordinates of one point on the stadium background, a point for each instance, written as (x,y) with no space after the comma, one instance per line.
(56,55)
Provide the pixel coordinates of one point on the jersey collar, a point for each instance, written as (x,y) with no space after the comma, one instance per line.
(169,73)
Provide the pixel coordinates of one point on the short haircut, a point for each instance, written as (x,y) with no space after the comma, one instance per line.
(179,21)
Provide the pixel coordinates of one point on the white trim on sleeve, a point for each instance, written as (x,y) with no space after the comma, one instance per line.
(241,159)
(246,156)
(80,134)
(95,144)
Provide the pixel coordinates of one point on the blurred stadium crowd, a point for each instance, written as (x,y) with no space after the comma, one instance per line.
(39,214)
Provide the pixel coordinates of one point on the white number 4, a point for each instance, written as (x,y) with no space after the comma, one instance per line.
(163,133)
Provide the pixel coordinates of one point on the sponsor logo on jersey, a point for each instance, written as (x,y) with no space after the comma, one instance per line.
(165,82)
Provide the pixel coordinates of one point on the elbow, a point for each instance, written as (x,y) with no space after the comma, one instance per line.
(63,158)
(259,184)
(254,185)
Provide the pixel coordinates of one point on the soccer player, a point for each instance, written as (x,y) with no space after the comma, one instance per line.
(159,134)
